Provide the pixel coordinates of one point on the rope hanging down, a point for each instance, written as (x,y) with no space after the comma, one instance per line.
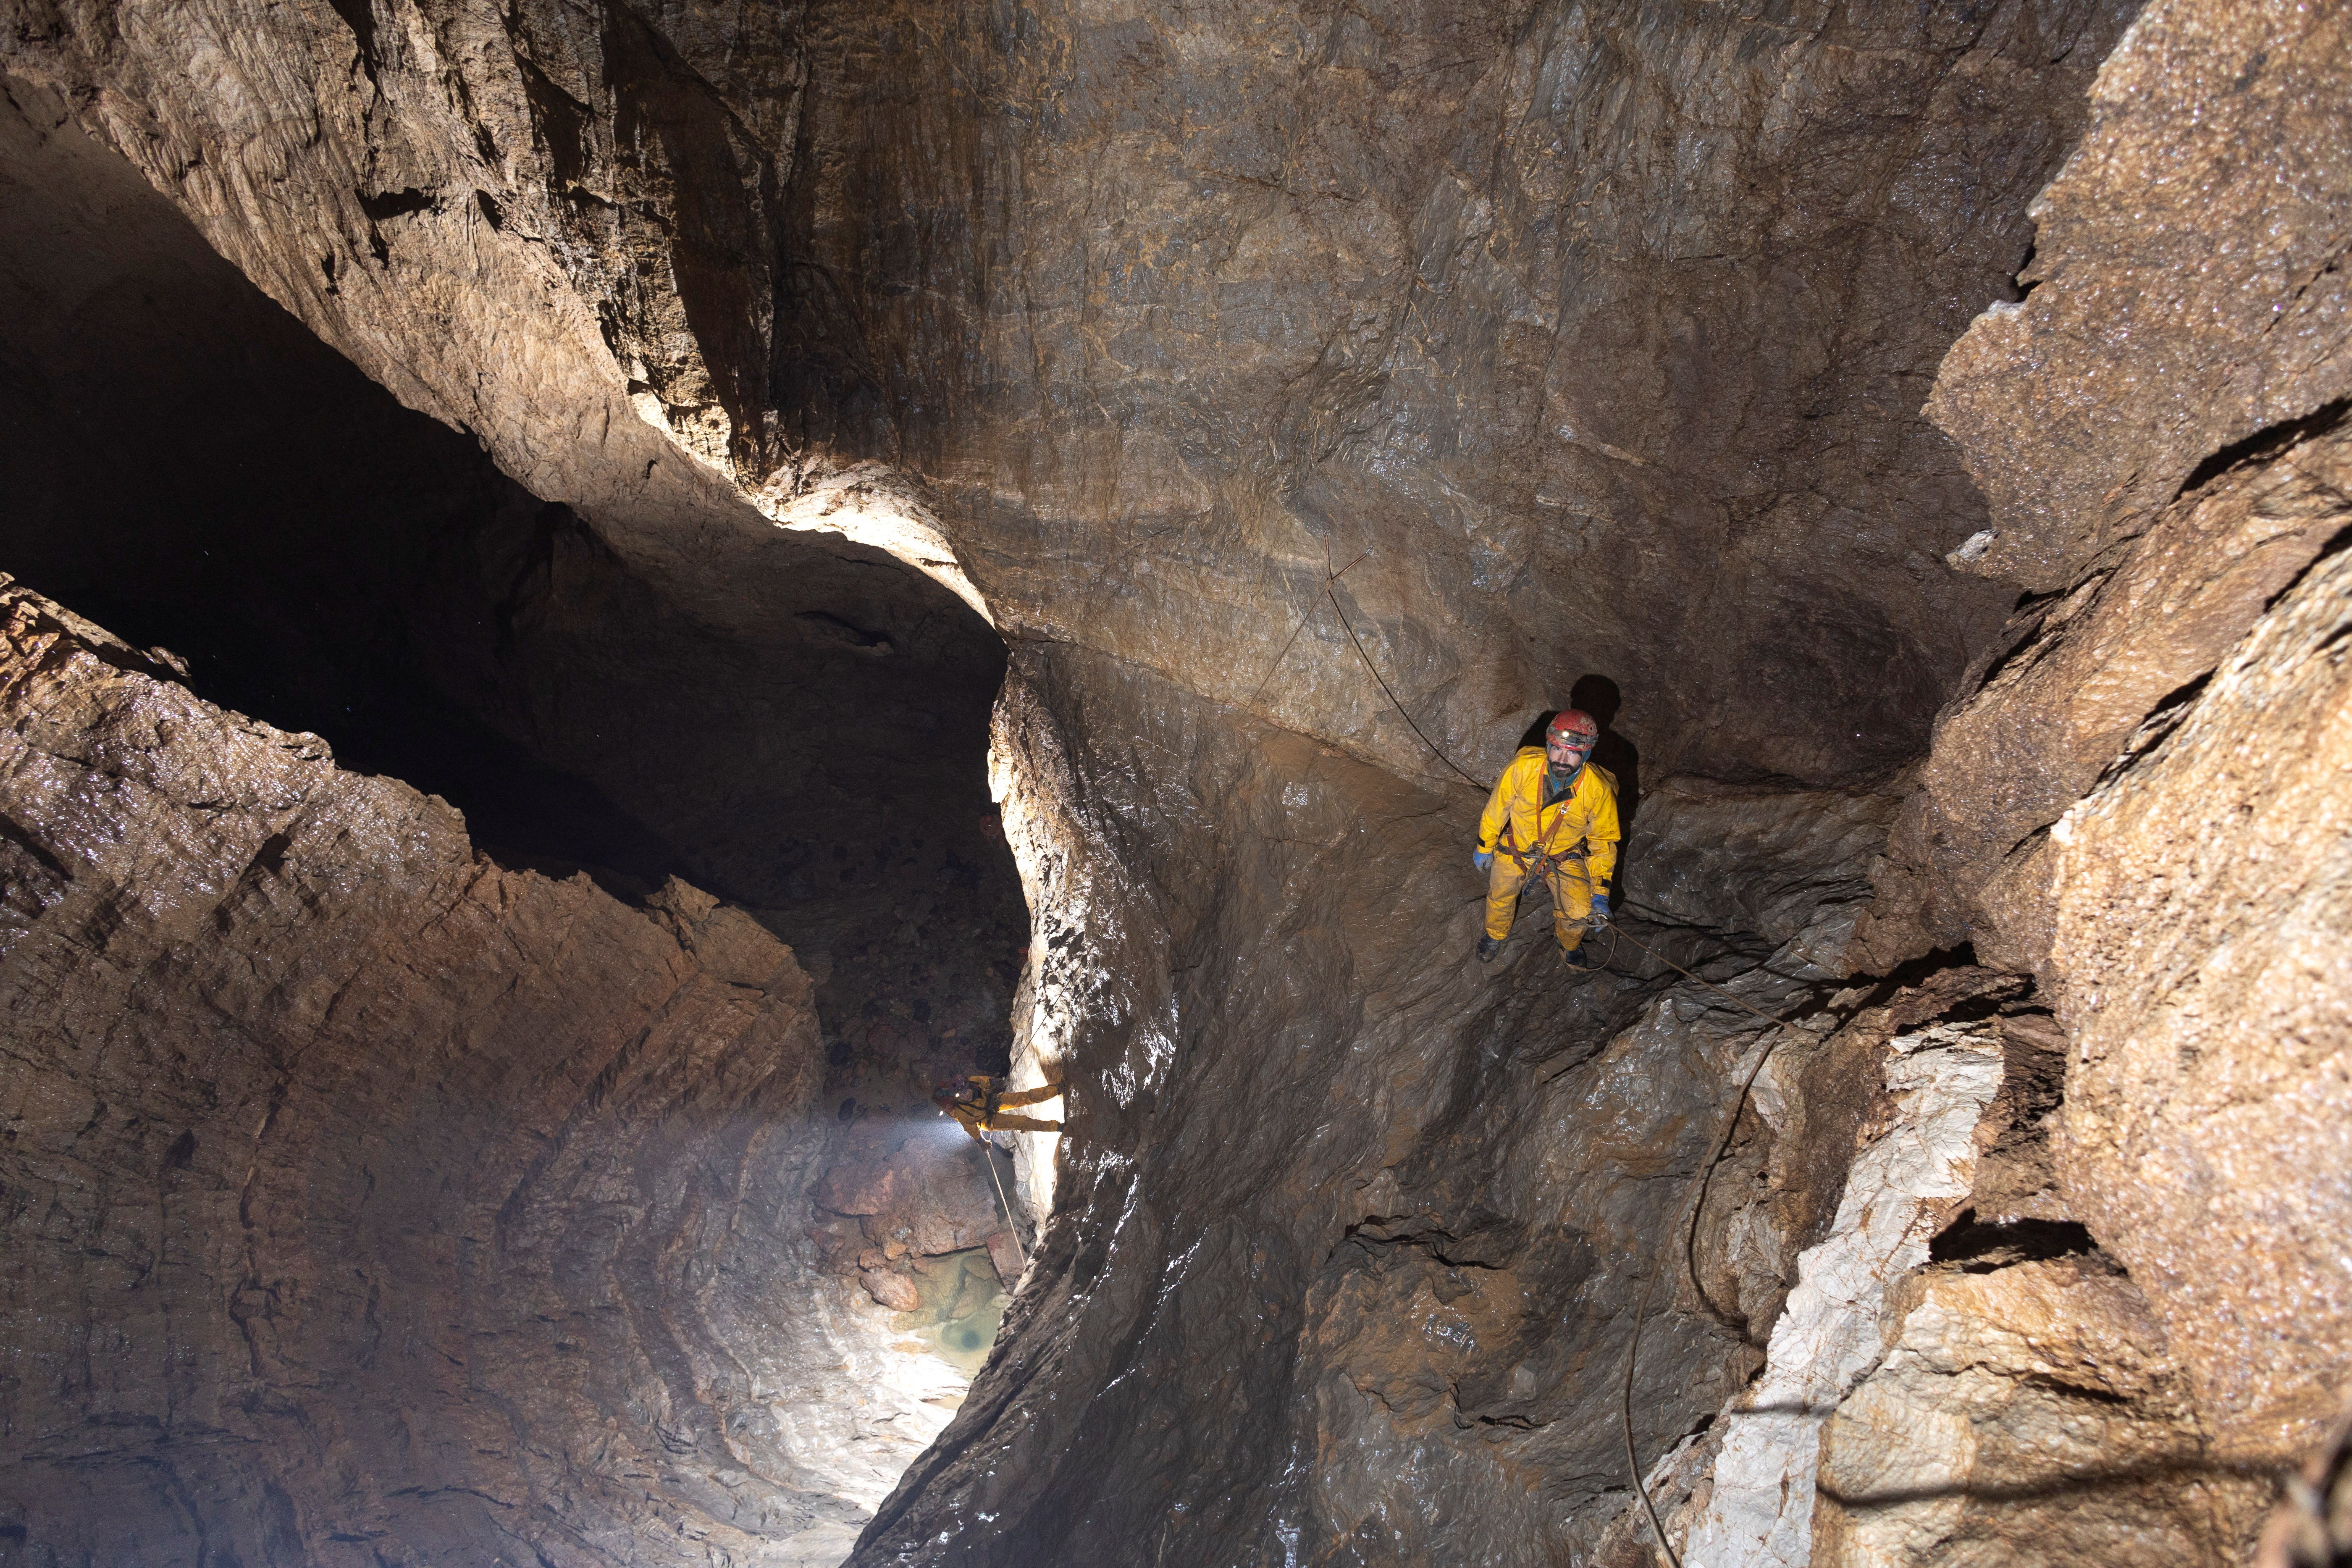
(988,1153)
(1699,1180)
(1688,1227)
(1330,592)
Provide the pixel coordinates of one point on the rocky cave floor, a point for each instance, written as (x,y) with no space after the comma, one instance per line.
(594,596)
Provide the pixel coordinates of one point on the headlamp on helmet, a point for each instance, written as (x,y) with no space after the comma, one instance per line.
(1572,727)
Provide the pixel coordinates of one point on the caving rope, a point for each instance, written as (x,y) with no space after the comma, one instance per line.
(1689,1225)
(1699,1179)
(988,1155)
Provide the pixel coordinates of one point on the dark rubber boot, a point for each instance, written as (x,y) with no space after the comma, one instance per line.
(1584,956)
(1488,948)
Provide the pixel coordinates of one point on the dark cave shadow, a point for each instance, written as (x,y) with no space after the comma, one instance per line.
(190,466)
(2070,1484)
(1603,697)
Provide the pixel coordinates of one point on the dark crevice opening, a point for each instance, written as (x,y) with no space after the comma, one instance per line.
(191,468)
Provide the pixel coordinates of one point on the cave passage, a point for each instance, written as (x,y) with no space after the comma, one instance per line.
(195,471)
(190,467)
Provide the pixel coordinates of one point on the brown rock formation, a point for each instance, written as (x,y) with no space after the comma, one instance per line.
(1528,314)
(361,1190)
(2025,1414)
(1313,397)
(2140,800)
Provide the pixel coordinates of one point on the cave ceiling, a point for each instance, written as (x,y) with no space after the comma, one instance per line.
(1584,339)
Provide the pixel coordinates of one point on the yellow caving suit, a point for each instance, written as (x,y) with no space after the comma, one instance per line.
(988,1115)
(1570,842)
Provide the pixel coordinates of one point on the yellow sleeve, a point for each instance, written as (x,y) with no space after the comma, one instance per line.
(1600,829)
(1498,813)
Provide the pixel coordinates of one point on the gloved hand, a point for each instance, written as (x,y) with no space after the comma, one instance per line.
(1483,859)
(1601,907)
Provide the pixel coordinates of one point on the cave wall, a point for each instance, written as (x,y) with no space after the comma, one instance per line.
(189,460)
(1347,1241)
(2137,796)
(1586,340)
(191,467)
(369,1202)
(1527,309)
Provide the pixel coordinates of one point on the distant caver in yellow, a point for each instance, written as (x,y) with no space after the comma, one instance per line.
(978,1102)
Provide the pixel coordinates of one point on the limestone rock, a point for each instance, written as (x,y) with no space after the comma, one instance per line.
(893,1290)
(2206,936)
(1190,318)
(2138,798)
(371,1201)
(1399,1319)
(2028,1415)
(1761,1505)
(2185,292)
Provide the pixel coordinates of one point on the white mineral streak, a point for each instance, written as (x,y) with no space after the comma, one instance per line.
(1828,1339)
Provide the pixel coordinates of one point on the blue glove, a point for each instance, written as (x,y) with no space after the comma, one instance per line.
(1483,859)
(1601,906)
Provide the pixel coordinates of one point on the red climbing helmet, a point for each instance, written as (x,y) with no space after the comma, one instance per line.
(1574,726)
(955,1091)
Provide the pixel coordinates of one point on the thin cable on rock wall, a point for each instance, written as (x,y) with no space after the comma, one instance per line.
(1688,1225)
(1731,1124)
(1011,1223)
(1435,749)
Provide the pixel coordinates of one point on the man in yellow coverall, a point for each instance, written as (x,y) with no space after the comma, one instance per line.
(1553,817)
(978,1102)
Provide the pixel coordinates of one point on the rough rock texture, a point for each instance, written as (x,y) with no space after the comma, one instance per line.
(2205,933)
(2028,1413)
(1534,310)
(1527,309)
(1311,390)
(2140,799)
(190,467)
(1377,1214)
(2187,292)
(369,1202)
(1760,1509)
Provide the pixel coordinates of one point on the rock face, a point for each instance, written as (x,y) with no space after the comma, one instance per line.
(2028,1413)
(369,1202)
(2139,800)
(414,1067)
(1514,315)
(1511,317)
(1314,398)
(820,762)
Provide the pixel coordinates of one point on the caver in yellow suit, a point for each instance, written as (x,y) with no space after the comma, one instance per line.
(1562,832)
(978,1102)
